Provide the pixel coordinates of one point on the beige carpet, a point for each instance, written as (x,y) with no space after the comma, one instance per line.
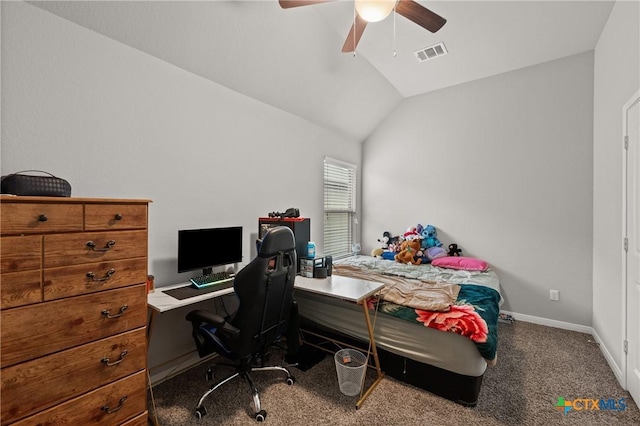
(536,365)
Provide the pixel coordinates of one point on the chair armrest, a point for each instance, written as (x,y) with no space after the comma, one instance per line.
(206,316)
(214,319)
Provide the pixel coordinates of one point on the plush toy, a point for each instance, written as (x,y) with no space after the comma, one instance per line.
(394,244)
(454,250)
(411,234)
(429,237)
(384,241)
(377,252)
(410,252)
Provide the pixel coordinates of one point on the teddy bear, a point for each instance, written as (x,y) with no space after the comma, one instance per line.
(410,252)
(454,250)
(429,237)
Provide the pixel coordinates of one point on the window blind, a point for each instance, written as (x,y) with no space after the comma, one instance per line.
(339,208)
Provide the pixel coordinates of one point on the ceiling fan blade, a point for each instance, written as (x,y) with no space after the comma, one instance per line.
(420,15)
(286,4)
(354,35)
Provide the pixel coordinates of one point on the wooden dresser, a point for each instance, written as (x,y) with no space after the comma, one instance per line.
(73,311)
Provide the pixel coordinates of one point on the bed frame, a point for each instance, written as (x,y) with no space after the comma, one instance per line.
(461,389)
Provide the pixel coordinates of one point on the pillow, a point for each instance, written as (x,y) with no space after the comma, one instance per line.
(461,262)
(435,253)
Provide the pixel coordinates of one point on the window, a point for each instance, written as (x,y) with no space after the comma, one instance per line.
(339,208)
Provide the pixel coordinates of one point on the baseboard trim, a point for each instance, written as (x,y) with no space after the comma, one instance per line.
(612,364)
(550,323)
(159,374)
(615,368)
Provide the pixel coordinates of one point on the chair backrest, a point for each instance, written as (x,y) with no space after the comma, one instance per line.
(265,291)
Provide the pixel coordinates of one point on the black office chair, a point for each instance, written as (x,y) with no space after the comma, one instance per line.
(265,291)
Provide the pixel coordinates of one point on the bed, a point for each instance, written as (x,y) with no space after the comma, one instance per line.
(435,327)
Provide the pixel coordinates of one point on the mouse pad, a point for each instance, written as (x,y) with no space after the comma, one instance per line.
(186,292)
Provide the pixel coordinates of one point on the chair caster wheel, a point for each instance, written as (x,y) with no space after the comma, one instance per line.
(261,415)
(291,380)
(200,412)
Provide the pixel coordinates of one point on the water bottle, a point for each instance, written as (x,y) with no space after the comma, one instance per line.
(311,250)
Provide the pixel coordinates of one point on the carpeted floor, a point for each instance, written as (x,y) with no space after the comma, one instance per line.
(536,366)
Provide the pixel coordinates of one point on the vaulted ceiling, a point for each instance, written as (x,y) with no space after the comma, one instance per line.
(291,59)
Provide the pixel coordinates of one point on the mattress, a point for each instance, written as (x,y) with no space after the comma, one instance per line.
(449,351)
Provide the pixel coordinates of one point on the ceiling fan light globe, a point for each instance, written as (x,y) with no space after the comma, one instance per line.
(374,10)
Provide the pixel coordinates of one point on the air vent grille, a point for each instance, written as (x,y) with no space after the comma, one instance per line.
(431,52)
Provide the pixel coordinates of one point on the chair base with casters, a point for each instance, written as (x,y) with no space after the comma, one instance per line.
(243,371)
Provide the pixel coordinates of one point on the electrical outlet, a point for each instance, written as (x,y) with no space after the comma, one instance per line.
(554,295)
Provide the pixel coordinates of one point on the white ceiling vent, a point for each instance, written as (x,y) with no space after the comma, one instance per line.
(431,52)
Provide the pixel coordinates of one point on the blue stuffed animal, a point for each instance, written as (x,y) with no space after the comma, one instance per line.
(429,237)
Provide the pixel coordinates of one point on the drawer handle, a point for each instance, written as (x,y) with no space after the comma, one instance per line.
(118,216)
(42,218)
(108,410)
(107,314)
(107,246)
(109,364)
(107,277)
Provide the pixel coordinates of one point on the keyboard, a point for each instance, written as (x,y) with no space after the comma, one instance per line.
(218,279)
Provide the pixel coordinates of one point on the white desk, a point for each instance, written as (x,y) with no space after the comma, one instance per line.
(351,289)
(354,290)
(159,301)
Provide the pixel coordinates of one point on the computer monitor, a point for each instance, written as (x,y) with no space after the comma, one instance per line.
(206,248)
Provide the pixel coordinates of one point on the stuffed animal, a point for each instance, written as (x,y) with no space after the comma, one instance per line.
(429,237)
(384,241)
(454,250)
(410,252)
(394,244)
(377,252)
(411,234)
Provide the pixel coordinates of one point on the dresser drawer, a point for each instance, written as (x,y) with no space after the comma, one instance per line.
(29,332)
(28,218)
(140,420)
(20,253)
(99,217)
(20,288)
(42,383)
(89,278)
(91,247)
(112,404)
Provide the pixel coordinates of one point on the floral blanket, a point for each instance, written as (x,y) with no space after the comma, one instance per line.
(473,313)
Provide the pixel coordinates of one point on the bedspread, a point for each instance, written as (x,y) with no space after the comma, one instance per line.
(414,293)
(472,313)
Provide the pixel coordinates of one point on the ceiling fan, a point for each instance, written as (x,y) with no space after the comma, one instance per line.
(377,10)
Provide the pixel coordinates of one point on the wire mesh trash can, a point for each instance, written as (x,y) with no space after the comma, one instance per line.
(351,366)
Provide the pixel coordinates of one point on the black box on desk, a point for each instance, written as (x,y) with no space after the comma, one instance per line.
(306,267)
(313,268)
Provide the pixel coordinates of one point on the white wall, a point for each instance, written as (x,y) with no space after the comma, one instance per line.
(503,167)
(119,123)
(616,79)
